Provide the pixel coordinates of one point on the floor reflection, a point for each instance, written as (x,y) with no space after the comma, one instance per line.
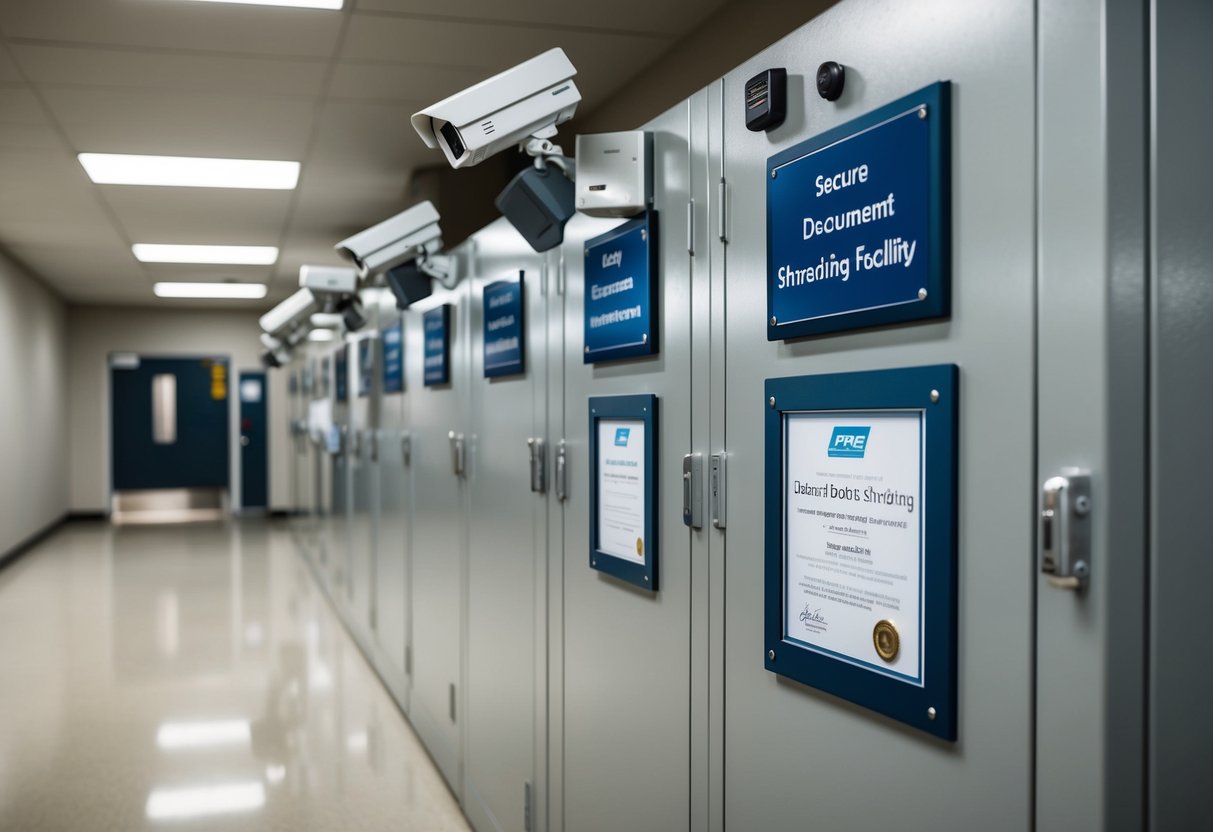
(158,675)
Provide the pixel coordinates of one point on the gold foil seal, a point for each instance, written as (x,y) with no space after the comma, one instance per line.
(886,640)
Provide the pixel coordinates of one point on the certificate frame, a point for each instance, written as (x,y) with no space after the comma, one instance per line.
(640,408)
(932,391)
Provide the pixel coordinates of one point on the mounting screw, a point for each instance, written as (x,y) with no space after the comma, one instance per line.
(644,235)
(922,112)
(934,396)
(771,401)
(774,320)
(1082,504)
(771,655)
(644,339)
(922,294)
(646,577)
(931,713)
(587,349)
(774,173)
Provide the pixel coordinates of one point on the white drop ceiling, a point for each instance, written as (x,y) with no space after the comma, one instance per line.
(333,90)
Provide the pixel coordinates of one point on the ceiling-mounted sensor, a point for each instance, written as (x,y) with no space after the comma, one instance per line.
(615,173)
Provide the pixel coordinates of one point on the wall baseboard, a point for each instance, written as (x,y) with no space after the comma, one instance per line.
(14,554)
(89,516)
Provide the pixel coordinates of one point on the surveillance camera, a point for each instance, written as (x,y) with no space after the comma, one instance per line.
(409,285)
(276,352)
(328,283)
(394,241)
(289,314)
(523,103)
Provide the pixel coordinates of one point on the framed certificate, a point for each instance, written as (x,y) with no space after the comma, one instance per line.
(623,488)
(861,539)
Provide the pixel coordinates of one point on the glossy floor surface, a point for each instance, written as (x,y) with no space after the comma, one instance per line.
(194,677)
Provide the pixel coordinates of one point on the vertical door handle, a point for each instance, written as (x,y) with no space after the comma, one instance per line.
(406,448)
(457,460)
(1065,529)
(722,193)
(717,483)
(692,490)
(562,472)
(537,448)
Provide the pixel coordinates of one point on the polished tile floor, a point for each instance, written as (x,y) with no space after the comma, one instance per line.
(193,677)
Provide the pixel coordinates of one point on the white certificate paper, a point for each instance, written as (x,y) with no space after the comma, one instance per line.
(621,478)
(853,535)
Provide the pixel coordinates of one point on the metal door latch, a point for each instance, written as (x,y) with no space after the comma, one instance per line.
(1065,529)
(692,490)
(538,465)
(717,482)
(457,452)
(562,472)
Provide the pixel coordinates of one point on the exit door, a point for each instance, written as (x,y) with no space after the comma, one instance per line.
(254,485)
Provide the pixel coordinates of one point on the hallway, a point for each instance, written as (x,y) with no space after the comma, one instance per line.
(155,675)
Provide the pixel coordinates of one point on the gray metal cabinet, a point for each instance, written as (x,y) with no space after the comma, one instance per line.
(337,539)
(364,468)
(507,548)
(439,524)
(796,756)
(626,689)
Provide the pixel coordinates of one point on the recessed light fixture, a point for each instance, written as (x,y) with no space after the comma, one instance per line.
(238,291)
(206,255)
(189,171)
(335,5)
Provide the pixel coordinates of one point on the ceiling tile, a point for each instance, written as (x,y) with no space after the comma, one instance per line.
(199,215)
(666,17)
(183,124)
(104,67)
(9,73)
(418,84)
(19,105)
(164,24)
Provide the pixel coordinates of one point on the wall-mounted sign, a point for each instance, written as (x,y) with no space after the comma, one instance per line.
(366,367)
(861,539)
(325,378)
(859,221)
(623,487)
(340,374)
(437,330)
(621,291)
(503,332)
(393,358)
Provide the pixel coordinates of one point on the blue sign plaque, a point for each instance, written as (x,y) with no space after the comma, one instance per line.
(503,338)
(366,367)
(621,291)
(858,222)
(393,358)
(341,382)
(437,325)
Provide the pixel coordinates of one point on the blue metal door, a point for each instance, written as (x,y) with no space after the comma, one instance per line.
(169,419)
(254,451)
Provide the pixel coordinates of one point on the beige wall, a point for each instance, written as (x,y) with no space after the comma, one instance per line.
(96,331)
(727,38)
(33,406)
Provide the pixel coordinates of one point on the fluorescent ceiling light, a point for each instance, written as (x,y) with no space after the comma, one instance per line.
(208,255)
(174,735)
(299,4)
(189,171)
(239,291)
(167,804)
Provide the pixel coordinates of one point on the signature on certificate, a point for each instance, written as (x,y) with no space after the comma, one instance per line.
(812,616)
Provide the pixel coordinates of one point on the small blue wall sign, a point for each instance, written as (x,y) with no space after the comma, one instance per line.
(503,332)
(859,219)
(393,358)
(366,367)
(341,381)
(621,291)
(437,353)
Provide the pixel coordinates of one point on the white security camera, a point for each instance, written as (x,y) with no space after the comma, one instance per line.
(407,235)
(519,106)
(289,314)
(328,283)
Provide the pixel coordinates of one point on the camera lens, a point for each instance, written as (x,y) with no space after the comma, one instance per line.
(453,140)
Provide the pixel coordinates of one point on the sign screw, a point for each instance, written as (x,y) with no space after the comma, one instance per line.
(771,401)
(587,349)
(922,294)
(771,655)
(774,173)
(646,577)
(773,320)
(931,713)
(644,235)
(922,112)
(593,563)
(644,339)
(934,396)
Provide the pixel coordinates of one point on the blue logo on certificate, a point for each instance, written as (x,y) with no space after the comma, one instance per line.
(620,292)
(849,442)
(621,437)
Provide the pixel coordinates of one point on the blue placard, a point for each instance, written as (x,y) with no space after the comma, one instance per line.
(393,358)
(366,367)
(623,488)
(861,530)
(437,353)
(503,330)
(341,380)
(859,219)
(621,291)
